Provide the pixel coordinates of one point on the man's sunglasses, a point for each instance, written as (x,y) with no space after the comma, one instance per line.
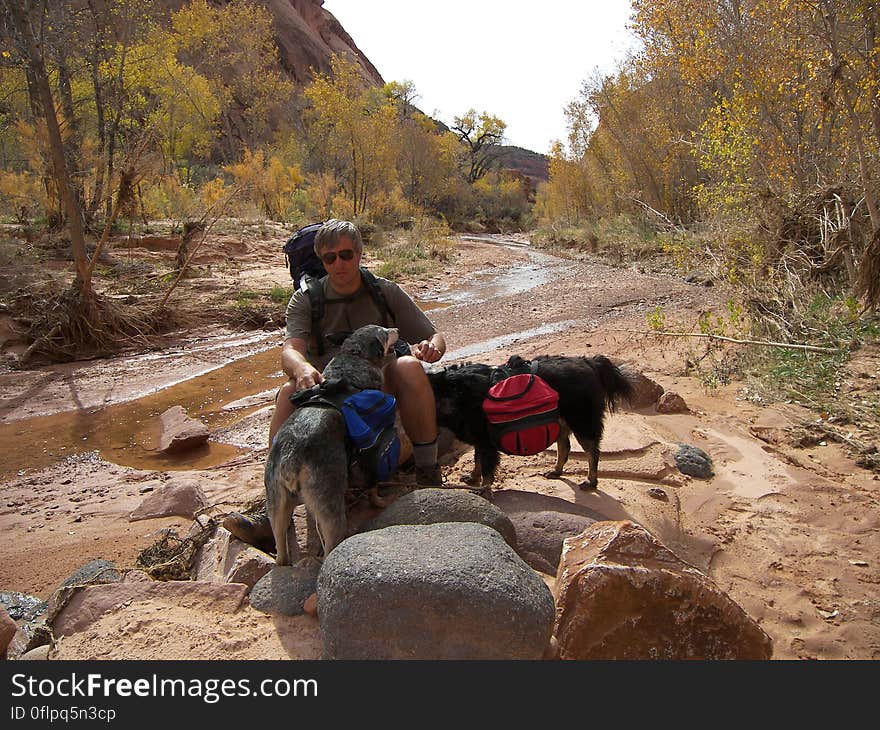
(345,254)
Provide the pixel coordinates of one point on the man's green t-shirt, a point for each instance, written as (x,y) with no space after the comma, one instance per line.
(346,314)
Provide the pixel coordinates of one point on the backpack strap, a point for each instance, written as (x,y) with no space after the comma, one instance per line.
(372,283)
(314,288)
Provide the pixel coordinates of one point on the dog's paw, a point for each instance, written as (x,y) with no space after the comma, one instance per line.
(589,486)
(552,474)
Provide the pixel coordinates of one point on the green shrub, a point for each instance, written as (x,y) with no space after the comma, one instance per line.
(281,294)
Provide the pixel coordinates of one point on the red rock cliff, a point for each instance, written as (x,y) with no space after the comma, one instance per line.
(308,35)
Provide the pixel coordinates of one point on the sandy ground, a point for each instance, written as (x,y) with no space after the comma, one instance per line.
(792,533)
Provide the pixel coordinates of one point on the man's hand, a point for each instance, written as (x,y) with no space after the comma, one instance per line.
(295,365)
(426,351)
(307,378)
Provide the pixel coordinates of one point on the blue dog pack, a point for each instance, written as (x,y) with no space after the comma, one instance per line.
(369,420)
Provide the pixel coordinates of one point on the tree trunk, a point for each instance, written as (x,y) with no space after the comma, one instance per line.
(98,192)
(73,145)
(871,51)
(830,17)
(22,24)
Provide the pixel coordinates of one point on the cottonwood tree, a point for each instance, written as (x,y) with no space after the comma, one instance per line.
(427,161)
(482,135)
(233,46)
(23,22)
(759,116)
(354,129)
(267,179)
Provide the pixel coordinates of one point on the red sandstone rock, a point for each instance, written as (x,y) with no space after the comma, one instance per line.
(671,402)
(621,594)
(87,604)
(179,432)
(311,605)
(308,35)
(178,496)
(224,559)
(8,627)
(645,393)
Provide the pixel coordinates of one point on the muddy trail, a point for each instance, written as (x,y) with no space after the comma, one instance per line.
(791,532)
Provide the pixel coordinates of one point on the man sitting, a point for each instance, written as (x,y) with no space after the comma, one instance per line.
(349,303)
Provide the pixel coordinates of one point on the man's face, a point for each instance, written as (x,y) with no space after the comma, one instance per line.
(344,275)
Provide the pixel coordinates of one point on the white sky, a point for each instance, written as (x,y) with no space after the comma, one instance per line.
(522,62)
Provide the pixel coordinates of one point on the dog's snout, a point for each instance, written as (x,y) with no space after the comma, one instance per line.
(393,336)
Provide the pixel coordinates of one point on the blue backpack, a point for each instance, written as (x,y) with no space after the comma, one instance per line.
(369,423)
(369,420)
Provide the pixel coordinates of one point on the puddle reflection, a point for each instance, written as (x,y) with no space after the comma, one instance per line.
(126,433)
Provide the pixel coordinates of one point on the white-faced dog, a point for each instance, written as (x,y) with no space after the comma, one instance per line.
(308,461)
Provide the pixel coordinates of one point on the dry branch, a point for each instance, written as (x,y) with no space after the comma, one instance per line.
(760,343)
(195,249)
(26,355)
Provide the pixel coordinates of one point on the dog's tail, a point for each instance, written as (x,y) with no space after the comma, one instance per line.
(615,384)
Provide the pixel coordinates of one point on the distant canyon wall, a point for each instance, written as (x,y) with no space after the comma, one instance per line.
(307,36)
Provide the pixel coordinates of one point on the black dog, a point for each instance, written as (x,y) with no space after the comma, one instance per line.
(588,387)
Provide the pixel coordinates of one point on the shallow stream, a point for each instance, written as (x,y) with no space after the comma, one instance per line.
(127,433)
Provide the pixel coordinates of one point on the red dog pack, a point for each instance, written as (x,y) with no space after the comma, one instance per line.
(523,414)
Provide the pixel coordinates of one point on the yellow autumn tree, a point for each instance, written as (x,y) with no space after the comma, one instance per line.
(790,127)
(353,128)
(233,46)
(173,100)
(267,180)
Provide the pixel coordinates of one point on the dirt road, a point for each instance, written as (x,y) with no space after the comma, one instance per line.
(791,533)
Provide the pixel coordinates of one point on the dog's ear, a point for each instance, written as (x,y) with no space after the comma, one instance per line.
(337,338)
(376,346)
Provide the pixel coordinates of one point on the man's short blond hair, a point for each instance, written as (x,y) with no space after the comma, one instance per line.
(329,234)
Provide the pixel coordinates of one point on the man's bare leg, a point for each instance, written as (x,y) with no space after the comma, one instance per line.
(406,380)
(283,408)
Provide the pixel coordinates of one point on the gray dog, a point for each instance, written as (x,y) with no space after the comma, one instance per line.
(308,461)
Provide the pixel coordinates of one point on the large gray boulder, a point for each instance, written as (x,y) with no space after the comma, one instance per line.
(441,591)
(432,505)
(540,536)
